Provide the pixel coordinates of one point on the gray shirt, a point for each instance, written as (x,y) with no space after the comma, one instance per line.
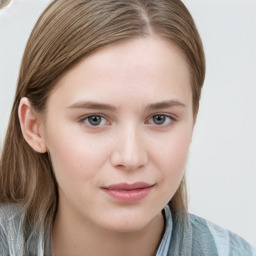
(198,237)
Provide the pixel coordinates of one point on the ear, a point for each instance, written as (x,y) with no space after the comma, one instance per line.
(31,126)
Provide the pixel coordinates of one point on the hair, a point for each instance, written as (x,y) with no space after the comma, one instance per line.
(66,32)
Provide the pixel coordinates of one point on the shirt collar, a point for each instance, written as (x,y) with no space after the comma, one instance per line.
(165,243)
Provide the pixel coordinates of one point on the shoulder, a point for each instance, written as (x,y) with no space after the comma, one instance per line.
(10,213)
(10,226)
(7,210)
(225,241)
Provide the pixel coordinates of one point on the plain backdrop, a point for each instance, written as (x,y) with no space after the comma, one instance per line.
(221,168)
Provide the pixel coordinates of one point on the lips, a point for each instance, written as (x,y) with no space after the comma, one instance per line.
(128,192)
(125,186)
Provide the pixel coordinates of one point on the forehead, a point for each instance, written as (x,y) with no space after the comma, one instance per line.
(140,67)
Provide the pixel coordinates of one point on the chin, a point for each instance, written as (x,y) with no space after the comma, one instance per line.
(126,227)
(128,221)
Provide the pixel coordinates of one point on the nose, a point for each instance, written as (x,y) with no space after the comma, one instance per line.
(129,152)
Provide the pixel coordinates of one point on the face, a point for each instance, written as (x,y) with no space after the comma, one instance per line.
(118,128)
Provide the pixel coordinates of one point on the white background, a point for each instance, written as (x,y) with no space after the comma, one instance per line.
(222,164)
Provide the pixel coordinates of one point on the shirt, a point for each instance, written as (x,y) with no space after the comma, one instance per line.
(198,237)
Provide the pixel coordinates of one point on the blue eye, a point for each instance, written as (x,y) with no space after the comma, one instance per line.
(160,120)
(95,120)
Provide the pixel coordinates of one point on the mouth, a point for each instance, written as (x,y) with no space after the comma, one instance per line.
(128,192)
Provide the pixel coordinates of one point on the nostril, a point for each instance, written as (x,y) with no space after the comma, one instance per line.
(125,162)
(129,151)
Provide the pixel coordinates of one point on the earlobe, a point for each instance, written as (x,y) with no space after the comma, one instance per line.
(30,126)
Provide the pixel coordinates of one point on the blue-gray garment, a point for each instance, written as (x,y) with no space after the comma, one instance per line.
(198,237)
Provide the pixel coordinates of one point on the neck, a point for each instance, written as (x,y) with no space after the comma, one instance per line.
(78,238)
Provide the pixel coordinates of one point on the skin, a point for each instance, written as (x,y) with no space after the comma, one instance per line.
(127,145)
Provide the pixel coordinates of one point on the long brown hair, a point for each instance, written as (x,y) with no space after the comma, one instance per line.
(67,31)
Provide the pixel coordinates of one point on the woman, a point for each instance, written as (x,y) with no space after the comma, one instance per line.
(96,147)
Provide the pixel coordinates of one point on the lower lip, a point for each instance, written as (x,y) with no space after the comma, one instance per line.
(128,195)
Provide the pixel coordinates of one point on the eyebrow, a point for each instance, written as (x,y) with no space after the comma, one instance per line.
(92,105)
(100,106)
(165,104)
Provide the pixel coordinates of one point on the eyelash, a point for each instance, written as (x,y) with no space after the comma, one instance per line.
(170,118)
(85,120)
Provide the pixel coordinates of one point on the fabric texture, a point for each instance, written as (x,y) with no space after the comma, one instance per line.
(200,237)
(195,237)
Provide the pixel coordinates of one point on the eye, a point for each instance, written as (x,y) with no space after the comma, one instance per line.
(95,120)
(160,120)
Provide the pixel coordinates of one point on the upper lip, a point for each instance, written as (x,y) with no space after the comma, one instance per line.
(126,186)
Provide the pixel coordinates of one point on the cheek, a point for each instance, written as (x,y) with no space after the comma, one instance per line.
(75,155)
(171,155)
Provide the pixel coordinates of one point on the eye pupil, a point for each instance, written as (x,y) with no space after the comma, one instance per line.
(159,119)
(94,120)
